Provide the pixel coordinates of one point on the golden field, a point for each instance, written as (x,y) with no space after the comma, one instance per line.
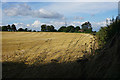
(37,47)
(40,48)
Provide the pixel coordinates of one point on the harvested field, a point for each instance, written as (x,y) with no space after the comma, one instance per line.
(42,48)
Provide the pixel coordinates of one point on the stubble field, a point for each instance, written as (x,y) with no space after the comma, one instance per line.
(41,48)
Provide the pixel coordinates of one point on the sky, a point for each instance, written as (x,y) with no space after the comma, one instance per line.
(32,15)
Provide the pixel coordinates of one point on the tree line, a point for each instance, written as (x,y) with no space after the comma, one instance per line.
(13,28)
(86,27)
(9,28)
(106,33)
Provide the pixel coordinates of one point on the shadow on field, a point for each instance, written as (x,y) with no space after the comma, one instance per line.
(103,65)
(50,70)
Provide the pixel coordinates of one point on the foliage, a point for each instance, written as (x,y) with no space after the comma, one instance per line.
(51,28)
(102,36)
(9,28)
(87,27)
(13,27)
(62,29)
(70,29)
(106,33)
(21,29)
(47,28)
(4,28)
(88,30)
(26,29)
(43,27)
(77,29)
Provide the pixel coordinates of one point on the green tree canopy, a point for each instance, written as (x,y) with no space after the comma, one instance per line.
(77,28)
(20,29)
(26,29)
(9,28)
(49,28)
(4,28)
(86,25)
(70,28)
(106,33)
(43,27)
(13,27)
(62,29)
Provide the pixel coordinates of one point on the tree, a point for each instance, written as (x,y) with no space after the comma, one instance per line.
(9,28)
(26,29)
(4,28)
(87,27)
(62,29)
(48,28)
(70,29)
(52,28)
(106,33)
(55,30)
(13,27)
(43,27)
(20,29)
(77,28)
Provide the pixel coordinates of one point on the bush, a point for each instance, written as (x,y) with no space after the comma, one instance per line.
(106,33)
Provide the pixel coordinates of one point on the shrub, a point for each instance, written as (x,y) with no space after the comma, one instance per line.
(106,33)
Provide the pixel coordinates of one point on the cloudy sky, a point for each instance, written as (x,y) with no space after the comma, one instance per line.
(33,14)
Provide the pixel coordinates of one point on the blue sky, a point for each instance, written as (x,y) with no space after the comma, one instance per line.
(34,14)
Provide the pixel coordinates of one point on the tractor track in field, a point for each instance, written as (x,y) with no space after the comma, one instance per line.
(28,50)
(76,43)
(42,45)
(24,52)
(63,42)
(43,53)
(37,48)
(46,48)
(71,42)
(42,56)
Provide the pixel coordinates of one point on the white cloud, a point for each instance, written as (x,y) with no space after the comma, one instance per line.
(57,23)
(82,7)
(37,23)
(20,9)
(78,18)
(25,10)
(28,25)
(97,25)
(20,25)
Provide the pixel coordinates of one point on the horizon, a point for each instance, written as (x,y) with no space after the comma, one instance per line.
(32,15)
